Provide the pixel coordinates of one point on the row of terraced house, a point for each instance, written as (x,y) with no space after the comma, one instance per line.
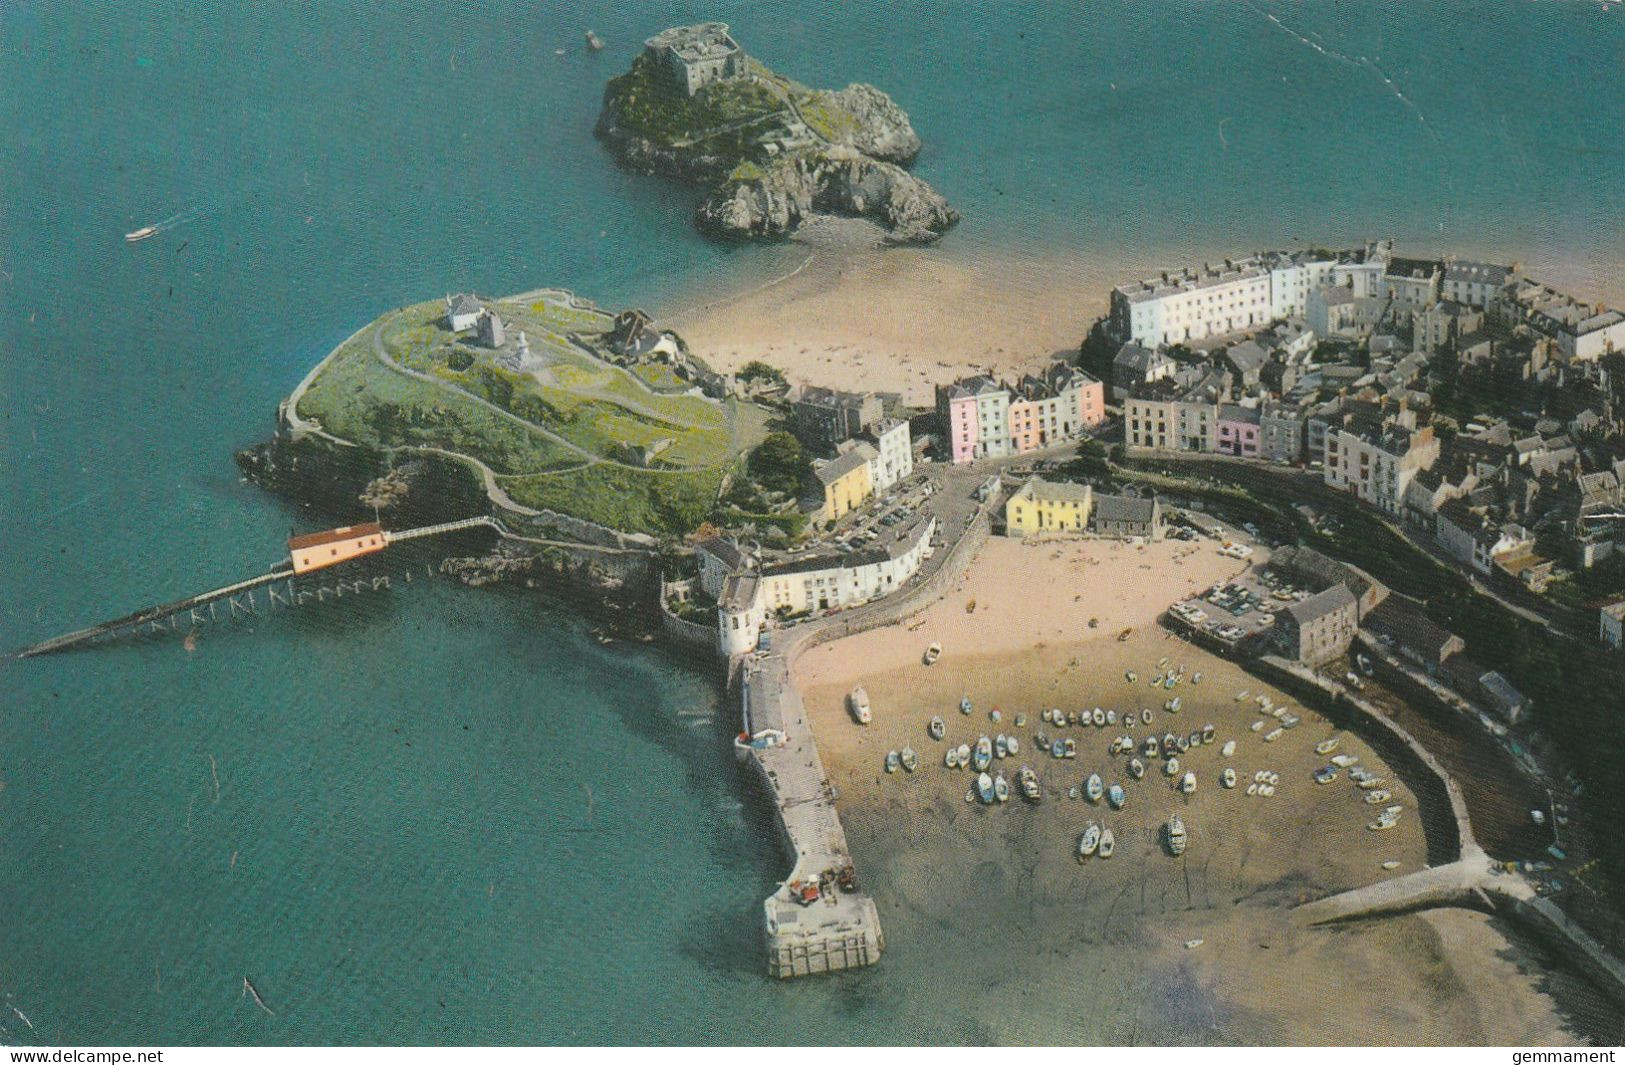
(981,417)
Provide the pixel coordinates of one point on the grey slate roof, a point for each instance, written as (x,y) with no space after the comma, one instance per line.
(1123,509)
(1317,606)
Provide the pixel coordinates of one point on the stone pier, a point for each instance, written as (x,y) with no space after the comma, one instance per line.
(841,929)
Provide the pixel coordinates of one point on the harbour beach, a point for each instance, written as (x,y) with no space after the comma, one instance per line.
(1205,942)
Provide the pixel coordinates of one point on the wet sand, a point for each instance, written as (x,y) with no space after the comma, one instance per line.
(996,893)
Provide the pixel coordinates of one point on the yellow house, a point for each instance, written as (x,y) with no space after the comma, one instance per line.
(1048,506)
(846,480)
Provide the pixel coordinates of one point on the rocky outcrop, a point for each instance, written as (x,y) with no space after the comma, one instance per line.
(775,153)
(839,181)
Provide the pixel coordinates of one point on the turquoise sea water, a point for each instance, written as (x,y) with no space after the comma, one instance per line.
(449,815)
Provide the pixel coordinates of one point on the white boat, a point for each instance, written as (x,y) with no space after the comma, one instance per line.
(859,701)
(984,787)
(1228,749)
(1001,747)
(995,716)
(1208,732)
(1256,725)
(1241,696)
(964,704)
(1196,678)
(1099,718)
(982,756)
(962,755)
(1021,721)
(1131,676)
(1343,761)
(1108,843)
(1145,715)
(1187,783)
(1172,705)
(1170,768)
(141,234)
(1376,798)
(1368,782)
(1094,787)
(1228,777)
(1069,747)
(933,653)
(1252,789)
(1174,836)
(937,728)
(951,758)
(1048,714)
(1326,746)
(1111,717)
(1029,783)
(1012,745)
(911,761)
(1272,735)
(1001,788)
(894,761)
(1089,841)
(1194,739)
(1136,768)
(1390,865)
(1116,796)
(1150,748)
(1266,790)
(1192,944)
(1383,823)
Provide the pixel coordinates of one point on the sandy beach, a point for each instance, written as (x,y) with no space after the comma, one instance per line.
(949,873)
(902,320)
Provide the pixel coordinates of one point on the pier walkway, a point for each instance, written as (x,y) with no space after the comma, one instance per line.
(841,930)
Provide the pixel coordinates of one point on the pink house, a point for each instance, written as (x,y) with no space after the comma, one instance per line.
(1091,401)
(956,409)
(1238,431)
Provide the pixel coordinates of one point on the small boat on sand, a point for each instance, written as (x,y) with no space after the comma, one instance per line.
(1089,841)
(1228,777)
(1029,784)
(1194,739)
(1001,788)
(964,704)
(1228,749)
(1131,676)
(1172,705)
(1187,783)
(1183,743)
(1145,715)
(984,787)
(937,728)
(1136,768)
(1326,746)
(951,758)
(1368,782)
(1116,796)
(1069,747)
(1170,768)
(962,755)
(1196,678)
(1325,774)
(1058,749)
(910,760)
(1001,748)
(1173,834)
(1094,787)
(1383,823)
(1390,865)
(1256,725)
(1376,798)
(1012,745)
(1099,718)
(1111,717)
(1343,761)
(1208,732)
(933,653)
(1150,748)
(982,756)
(859,701)
(1192,944)
(894,761)
(1108,843)
(1272,735)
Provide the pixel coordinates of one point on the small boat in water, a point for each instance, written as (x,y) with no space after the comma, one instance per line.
(594,42)
(1136,768)
(1094,787)
(1187,783)
(1089,841)
(933,653)
(910,760)
(859,700)
(982,756)
(141,234)
(894,761)
(937,728)
(1228,749)
(1228,777)
(1021,721)
(1029,784)
(1242,695)
(1326,746)
(1116,796)
(984,787)
(1183,744)
(1174,835)
(1001,788)
(1108,843)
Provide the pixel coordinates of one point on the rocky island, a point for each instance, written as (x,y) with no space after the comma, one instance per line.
(694,106)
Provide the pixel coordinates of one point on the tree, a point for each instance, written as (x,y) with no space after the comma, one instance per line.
(756,370)
(779,464)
